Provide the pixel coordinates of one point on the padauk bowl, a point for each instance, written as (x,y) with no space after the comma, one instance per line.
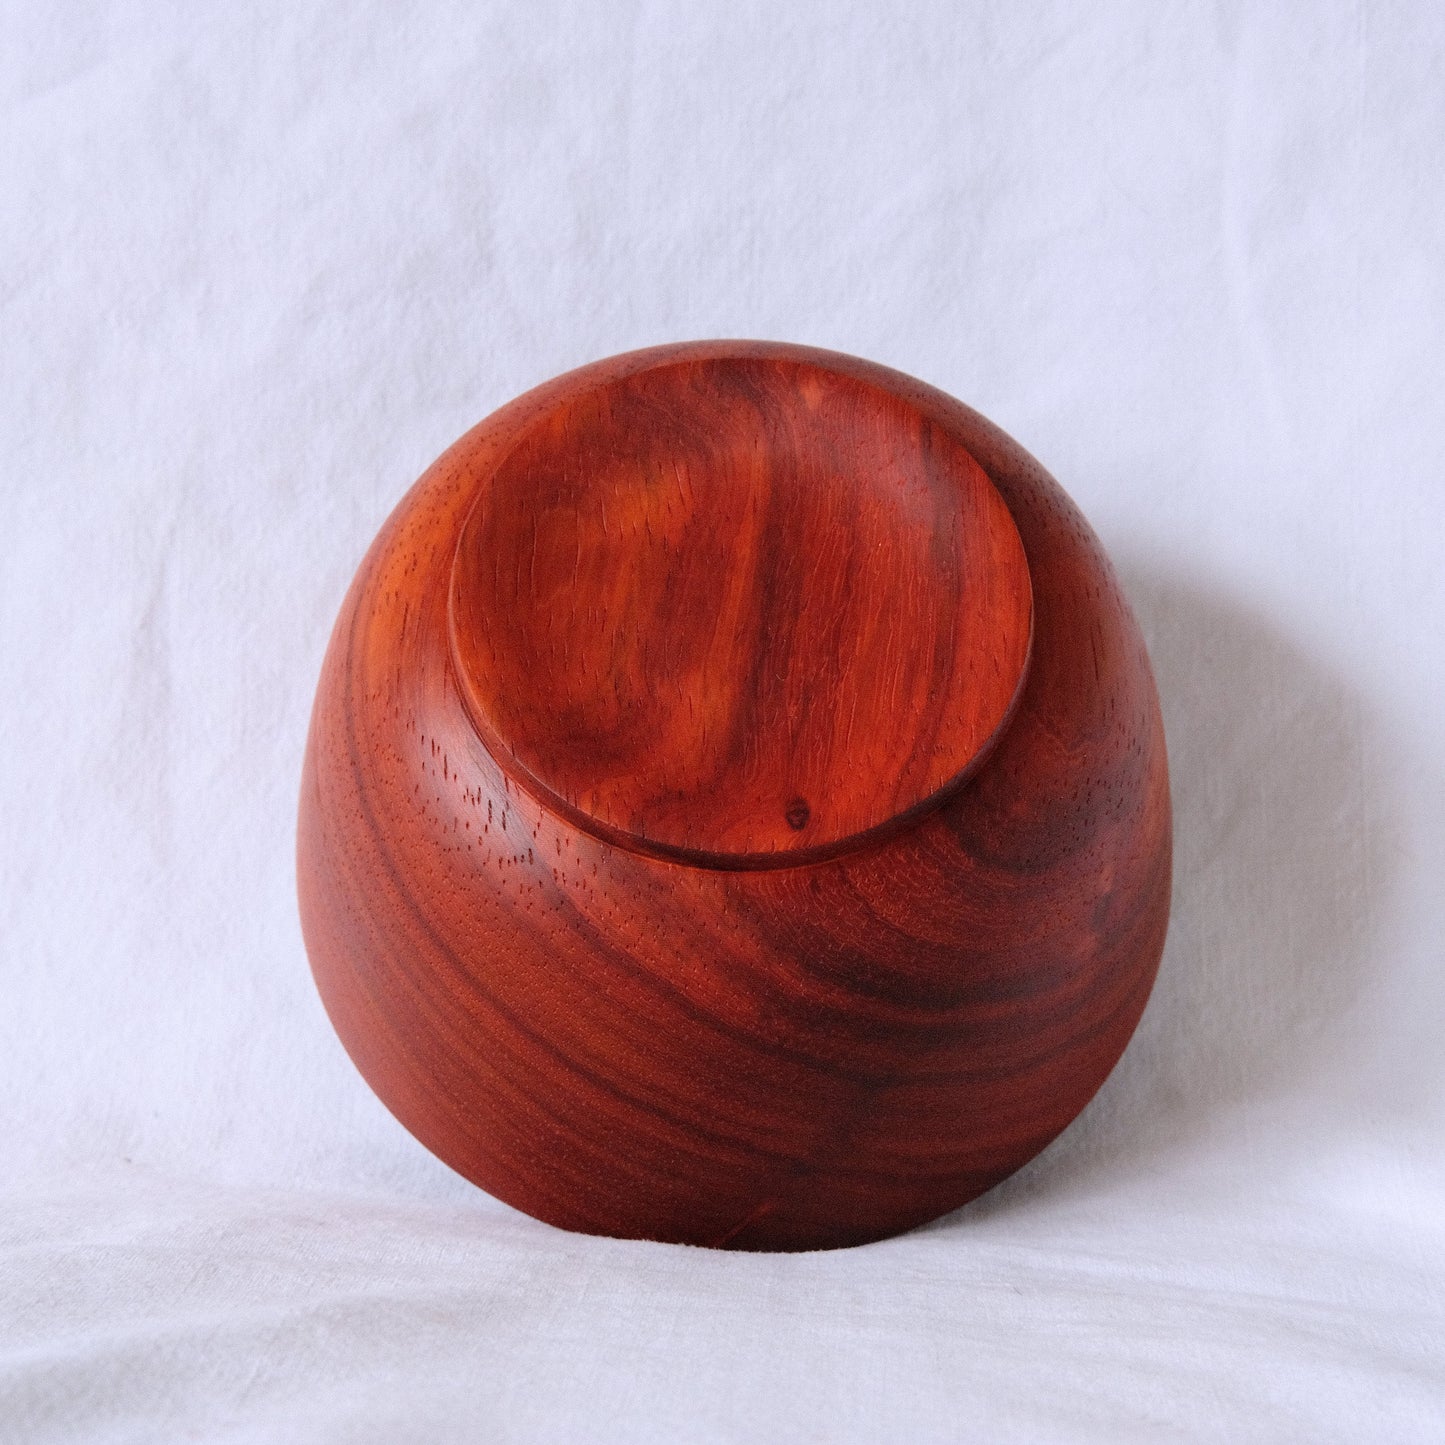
(736,808)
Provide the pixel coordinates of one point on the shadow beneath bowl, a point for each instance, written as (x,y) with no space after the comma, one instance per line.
(1278,885)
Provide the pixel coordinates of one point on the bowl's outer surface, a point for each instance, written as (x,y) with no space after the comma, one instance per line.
(783,1057)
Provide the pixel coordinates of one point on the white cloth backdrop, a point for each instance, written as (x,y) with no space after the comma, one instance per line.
(260,263)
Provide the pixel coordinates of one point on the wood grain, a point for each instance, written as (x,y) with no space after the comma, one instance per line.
(736,807)
(738,610)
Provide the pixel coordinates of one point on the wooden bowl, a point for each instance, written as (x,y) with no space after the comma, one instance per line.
(736,808)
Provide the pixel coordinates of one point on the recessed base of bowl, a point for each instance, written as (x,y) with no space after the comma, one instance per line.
(737,609)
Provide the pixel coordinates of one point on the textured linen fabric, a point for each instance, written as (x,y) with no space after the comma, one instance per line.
(260,264)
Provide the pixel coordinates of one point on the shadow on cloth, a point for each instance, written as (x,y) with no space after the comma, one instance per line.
(1276,889)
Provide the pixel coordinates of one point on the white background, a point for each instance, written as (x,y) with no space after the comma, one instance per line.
(260,264)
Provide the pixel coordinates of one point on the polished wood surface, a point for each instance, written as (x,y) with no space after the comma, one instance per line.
(736,807)
(739,610)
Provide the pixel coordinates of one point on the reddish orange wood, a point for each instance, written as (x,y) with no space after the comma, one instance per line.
(736,807)
(738,610)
